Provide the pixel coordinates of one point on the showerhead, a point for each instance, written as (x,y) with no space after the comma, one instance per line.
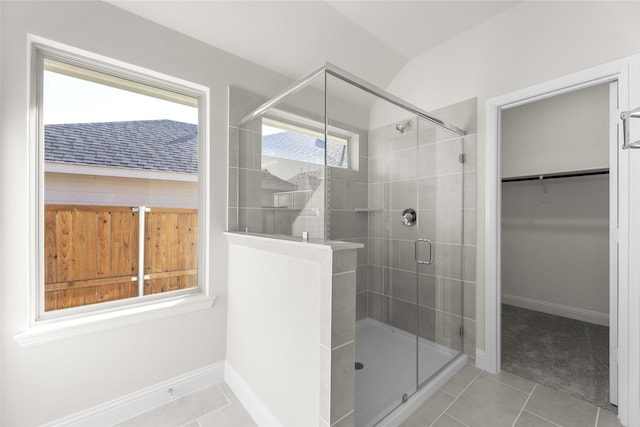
(400,127)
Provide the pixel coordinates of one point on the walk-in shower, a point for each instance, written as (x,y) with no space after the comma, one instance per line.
(335,158)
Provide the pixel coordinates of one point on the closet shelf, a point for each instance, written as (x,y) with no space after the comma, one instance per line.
(557,175)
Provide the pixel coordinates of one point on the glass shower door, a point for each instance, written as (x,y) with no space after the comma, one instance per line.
(392,302)
(400,195)
(416,182)
(439,248)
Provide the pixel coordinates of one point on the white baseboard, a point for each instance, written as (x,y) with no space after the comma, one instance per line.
(251,402)
(481,360)
(144,400)
(557,309)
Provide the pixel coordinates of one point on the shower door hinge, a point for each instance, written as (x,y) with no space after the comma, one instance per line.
(461,330)
(462,158)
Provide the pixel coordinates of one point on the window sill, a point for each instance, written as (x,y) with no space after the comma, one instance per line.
(58,330)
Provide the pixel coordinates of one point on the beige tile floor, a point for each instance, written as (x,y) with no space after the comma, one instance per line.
(472,398)
(212,406)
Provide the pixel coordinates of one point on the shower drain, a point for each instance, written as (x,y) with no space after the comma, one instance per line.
(359,366)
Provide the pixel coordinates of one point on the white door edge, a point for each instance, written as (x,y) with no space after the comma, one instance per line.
(614,146)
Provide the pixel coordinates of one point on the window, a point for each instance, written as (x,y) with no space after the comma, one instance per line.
(122,189)
(301,140)
(291,147)
(304,143)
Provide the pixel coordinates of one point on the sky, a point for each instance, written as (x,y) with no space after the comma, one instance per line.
(72,100)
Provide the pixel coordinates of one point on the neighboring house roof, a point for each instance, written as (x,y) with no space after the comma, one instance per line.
(158,145)
(296,146)
(272,182)
(309,180)
(168,146)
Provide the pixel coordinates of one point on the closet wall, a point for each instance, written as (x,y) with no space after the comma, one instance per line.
(555,246)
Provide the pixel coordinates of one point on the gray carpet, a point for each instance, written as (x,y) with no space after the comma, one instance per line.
(561,353)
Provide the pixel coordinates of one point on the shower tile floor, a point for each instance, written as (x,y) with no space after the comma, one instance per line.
(389,359)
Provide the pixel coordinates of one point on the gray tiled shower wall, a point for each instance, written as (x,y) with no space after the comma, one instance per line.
(387,271)
(348,219)
(251,201)
(244,162)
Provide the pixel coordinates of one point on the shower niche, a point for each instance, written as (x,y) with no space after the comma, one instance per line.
(334,158)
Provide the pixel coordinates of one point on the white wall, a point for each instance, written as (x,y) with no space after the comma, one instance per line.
(555,246)
(568,132)
(555,237)
(49,381)
(274,328)
(529,43)
(1,198)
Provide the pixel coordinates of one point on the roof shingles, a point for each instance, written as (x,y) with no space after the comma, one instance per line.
(165,145)
(296,146)
(159,145)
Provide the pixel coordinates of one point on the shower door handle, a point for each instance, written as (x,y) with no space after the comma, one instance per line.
(421,261)
(626,117)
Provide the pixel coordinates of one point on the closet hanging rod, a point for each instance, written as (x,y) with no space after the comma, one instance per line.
(557,175)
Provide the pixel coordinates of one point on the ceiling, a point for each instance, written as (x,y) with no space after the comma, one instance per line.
(371,39)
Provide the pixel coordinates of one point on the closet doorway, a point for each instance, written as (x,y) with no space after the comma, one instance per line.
(625,182)
(558,263)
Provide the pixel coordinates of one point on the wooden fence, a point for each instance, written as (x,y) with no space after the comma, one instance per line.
(91,253)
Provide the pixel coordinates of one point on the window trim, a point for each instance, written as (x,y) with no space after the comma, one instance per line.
(61,324)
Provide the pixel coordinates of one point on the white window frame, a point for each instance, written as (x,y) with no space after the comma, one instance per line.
(62,324)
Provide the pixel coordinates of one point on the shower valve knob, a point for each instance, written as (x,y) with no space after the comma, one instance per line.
(409,217)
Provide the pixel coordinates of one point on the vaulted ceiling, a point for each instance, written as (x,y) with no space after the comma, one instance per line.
(371,39)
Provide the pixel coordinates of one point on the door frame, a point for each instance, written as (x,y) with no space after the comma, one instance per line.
(626,72)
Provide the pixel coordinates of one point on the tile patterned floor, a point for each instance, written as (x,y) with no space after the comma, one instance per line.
(472,398)
(212,406)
